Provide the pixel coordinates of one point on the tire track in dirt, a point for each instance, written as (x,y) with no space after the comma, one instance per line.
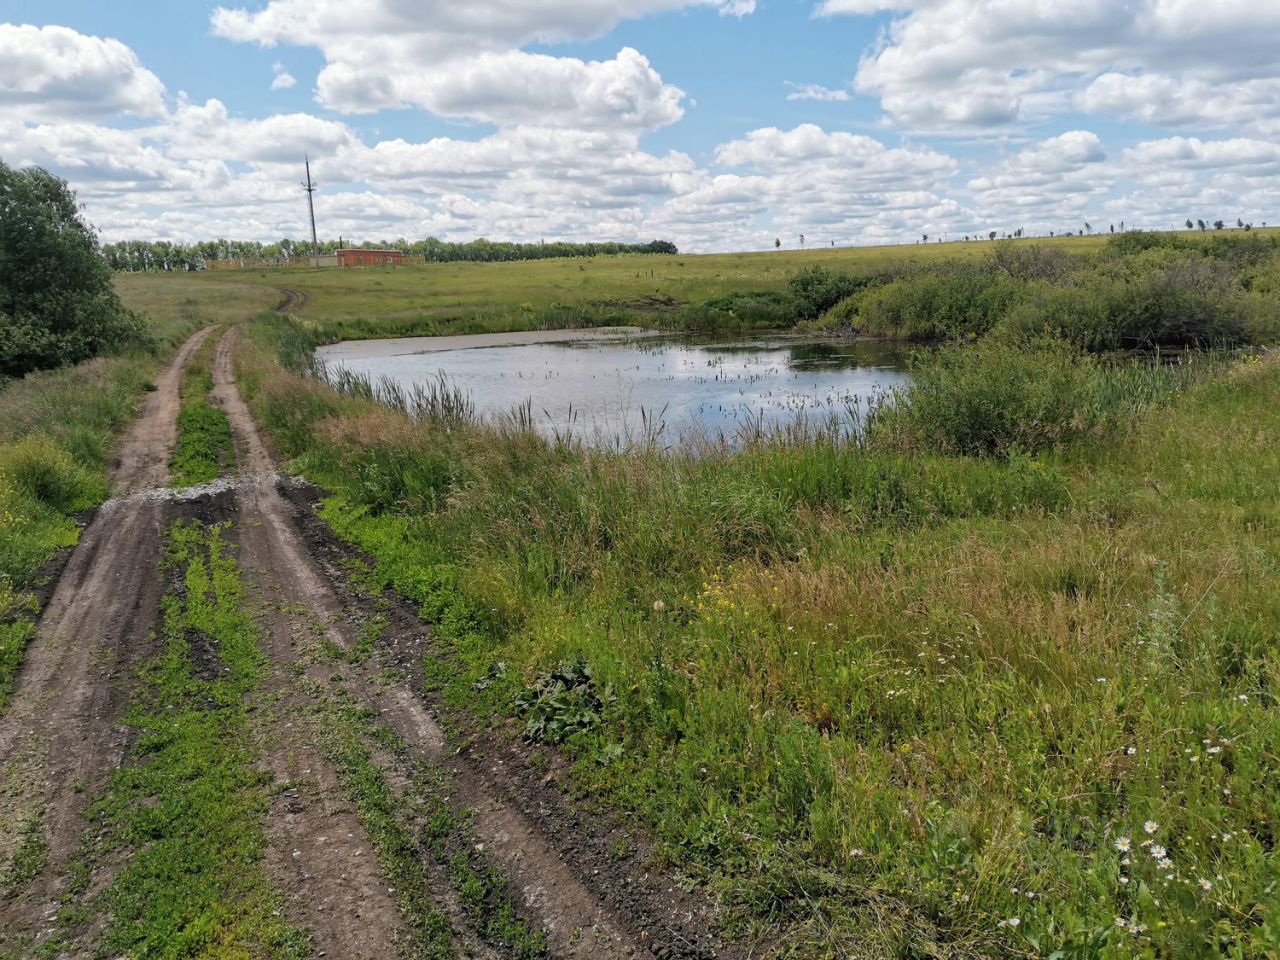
(62,736)
(293,300)
(320,853)
(578,923)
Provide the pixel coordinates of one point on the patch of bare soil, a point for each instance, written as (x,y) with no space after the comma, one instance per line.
(586,880)
(62,736)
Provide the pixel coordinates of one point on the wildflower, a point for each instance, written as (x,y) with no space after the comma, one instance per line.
(1165,864)
(856,852)
(1206,885)
(1010,922)
(1243,697)
(1131,751)
(1214,750)
(1158,852)
(1123,844)
(1151,826)
(1122,923)
(658,606)
(1124,880)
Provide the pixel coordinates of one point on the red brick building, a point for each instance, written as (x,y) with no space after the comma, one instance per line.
(370,258)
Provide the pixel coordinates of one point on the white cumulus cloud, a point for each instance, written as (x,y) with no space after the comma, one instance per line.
(59,72)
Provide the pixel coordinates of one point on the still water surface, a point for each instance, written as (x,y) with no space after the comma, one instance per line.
(596,384)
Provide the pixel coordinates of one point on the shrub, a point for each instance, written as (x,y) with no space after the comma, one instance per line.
(1160,297)
(752,309)
(57,302)
(45,472)
(818,289)
(989,399)
(1136,241)
(963,301)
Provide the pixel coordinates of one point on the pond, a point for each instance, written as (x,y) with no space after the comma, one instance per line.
(610,387)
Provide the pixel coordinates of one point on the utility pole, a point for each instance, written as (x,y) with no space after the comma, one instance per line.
(311,206)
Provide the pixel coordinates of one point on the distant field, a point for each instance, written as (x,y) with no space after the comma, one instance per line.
(448,291)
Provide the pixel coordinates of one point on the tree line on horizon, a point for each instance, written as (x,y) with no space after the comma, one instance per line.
(161,255)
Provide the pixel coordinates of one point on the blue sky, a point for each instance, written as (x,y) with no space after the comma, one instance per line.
(719,124)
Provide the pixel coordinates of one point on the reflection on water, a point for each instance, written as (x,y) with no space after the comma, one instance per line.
(609,389)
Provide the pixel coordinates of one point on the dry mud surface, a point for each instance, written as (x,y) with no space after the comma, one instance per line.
(63,735)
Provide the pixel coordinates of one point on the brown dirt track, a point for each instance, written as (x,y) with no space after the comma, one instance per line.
(61,736)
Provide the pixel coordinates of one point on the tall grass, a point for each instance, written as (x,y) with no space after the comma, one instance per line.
(885,697)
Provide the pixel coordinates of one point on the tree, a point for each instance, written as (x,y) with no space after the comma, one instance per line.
(57,302)
(802,241)
(1240,222)
(926,238)
(1088,227)
(1201,224)
(991,235)
(1218,224)
(1189,223)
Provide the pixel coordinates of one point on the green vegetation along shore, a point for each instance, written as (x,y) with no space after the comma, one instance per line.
(994,678)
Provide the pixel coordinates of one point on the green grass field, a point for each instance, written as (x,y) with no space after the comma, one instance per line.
(997,679)
(402,297)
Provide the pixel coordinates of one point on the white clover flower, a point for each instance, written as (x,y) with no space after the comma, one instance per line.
(1123,844)
(1151,826)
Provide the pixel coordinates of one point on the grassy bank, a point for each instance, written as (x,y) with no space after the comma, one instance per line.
(178,834)
(962,688)
(1066,284)
(441,298)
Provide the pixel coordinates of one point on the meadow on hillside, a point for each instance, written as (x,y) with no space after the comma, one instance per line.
(994,677)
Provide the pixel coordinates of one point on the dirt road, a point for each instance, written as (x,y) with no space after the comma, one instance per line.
(62,735)
(556,867)
(576,921)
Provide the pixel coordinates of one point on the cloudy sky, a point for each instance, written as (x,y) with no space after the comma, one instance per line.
(718,124)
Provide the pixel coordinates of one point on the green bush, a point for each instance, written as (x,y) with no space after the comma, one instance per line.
(752,309)
(955,302)
(817,289)
(1160,297)
(989,399)
(45,472)
(57,302)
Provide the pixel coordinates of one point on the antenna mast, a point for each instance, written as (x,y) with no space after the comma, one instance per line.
(311,189)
